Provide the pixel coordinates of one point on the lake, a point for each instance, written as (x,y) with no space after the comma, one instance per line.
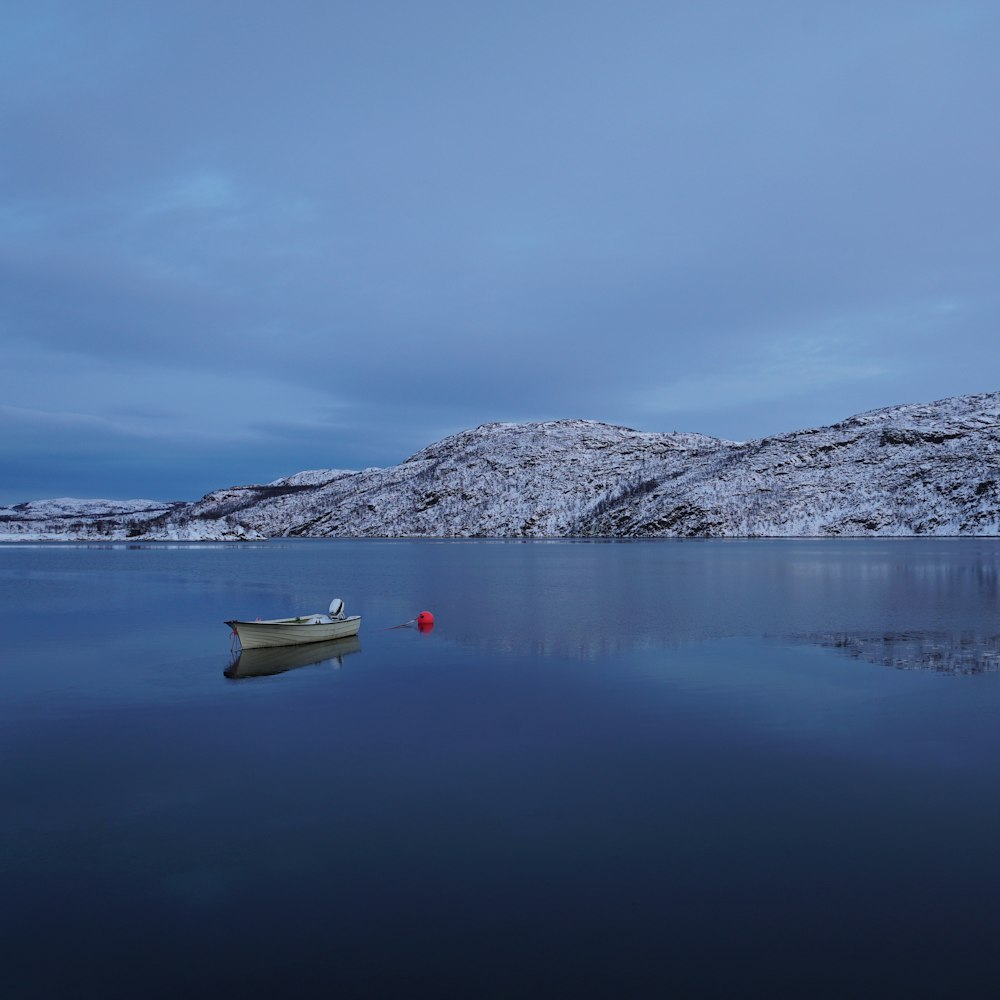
(622,769)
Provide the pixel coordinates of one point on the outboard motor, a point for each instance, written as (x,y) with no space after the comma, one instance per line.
(337,608)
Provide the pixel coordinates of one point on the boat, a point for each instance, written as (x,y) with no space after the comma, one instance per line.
(279,659)
(335,624)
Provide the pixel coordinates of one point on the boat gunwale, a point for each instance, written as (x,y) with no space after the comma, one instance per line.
(295,622)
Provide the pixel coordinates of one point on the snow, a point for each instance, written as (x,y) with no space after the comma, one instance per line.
(928,468)
(312,477)
(69,517)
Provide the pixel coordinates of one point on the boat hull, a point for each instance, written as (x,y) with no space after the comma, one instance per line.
(292,632)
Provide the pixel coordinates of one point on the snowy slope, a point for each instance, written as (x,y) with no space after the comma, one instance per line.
(922,469)
(67,517)
(917,469)
(497,480)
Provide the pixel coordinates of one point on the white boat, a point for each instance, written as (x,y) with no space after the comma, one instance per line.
(335,624)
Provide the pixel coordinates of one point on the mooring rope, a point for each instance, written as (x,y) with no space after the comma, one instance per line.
(412,621)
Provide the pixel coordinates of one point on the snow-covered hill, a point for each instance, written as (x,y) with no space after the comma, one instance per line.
(904,470)
(917,469)
(67,517)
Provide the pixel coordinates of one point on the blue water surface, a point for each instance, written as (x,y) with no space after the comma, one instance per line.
(649,769)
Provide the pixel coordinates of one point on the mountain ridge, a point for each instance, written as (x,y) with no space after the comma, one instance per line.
(908,469)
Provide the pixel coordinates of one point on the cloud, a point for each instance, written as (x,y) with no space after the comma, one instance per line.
(156,403)
(205,191)
(783,372)
(826,364)
(327,235)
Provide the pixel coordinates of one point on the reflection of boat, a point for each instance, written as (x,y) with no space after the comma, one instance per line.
(295,631)
(263,662)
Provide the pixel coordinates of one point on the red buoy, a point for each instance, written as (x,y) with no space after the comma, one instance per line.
(425,621)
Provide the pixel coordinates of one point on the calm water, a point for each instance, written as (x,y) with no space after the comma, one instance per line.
(637,769)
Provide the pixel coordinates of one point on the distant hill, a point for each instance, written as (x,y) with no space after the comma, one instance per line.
(920,469)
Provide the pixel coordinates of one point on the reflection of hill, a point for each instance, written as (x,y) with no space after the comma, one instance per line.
(594,600)
(947,653)
(278,660)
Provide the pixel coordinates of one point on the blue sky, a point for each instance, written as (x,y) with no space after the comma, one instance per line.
(240,239)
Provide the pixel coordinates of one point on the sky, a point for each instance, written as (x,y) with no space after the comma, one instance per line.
(242,239)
